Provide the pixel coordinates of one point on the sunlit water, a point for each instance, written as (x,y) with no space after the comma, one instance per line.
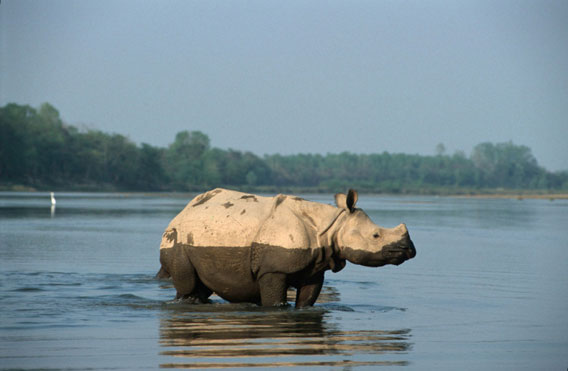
(487,290)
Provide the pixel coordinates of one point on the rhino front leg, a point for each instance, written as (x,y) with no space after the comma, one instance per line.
(308,292)
(273,289)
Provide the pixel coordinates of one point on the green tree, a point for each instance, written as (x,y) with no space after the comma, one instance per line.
(184,159)
(15,146)
(38,149)
(506,165)
(150,174)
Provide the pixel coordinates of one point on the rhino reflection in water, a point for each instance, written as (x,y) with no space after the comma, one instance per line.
(248,248)
(240,336)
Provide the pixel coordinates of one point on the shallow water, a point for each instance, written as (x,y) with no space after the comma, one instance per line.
(487,289)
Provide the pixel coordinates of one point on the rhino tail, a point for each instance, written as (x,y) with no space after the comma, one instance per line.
(162,274)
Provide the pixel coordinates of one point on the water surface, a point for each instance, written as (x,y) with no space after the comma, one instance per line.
(487,289)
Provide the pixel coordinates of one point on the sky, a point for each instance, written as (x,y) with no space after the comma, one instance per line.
(298,76)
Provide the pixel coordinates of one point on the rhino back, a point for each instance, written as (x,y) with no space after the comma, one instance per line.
(221,218)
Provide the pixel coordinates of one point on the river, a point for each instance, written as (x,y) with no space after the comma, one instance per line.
(487,290)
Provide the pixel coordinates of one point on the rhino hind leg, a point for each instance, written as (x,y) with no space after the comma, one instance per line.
(200,293)
(176,264)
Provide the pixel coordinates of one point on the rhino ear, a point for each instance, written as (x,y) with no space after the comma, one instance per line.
(352,199)
(346,201)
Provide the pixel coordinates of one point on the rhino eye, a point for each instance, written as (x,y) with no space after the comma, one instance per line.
(376,235)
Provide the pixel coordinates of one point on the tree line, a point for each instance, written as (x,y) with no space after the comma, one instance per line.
(37,149)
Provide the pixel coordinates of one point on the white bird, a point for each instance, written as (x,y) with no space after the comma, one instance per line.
(53,199)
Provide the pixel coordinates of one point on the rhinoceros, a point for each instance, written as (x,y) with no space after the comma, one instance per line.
(249,248)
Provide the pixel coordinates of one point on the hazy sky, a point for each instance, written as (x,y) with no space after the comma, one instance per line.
(298,76)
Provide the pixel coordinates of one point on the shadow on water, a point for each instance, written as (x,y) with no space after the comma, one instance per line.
(240,335)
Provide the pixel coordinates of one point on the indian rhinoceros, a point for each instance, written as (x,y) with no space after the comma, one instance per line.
(248,248)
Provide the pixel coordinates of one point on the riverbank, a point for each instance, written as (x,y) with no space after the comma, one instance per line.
(499,193)
(520,196)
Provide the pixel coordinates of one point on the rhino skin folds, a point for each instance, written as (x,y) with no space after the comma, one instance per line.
(249,248)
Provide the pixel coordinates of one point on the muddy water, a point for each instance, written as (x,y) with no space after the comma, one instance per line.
(488,289)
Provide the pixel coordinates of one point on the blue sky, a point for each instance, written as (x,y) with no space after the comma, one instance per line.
(298,76)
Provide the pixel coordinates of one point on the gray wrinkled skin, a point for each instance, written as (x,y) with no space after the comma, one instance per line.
(248,248)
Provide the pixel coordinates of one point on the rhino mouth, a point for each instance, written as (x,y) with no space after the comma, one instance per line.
(395,253)
(398,253)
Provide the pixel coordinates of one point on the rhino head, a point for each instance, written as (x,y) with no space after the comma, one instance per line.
(362,242)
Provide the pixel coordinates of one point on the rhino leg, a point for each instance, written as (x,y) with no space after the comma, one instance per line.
(273,289)
(176,263)
(200,293)
(308,292)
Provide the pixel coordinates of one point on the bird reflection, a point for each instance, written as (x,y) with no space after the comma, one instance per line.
(243,335)
(53,203)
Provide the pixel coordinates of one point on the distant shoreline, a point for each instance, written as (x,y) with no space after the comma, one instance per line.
(518,196)
(456,193)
